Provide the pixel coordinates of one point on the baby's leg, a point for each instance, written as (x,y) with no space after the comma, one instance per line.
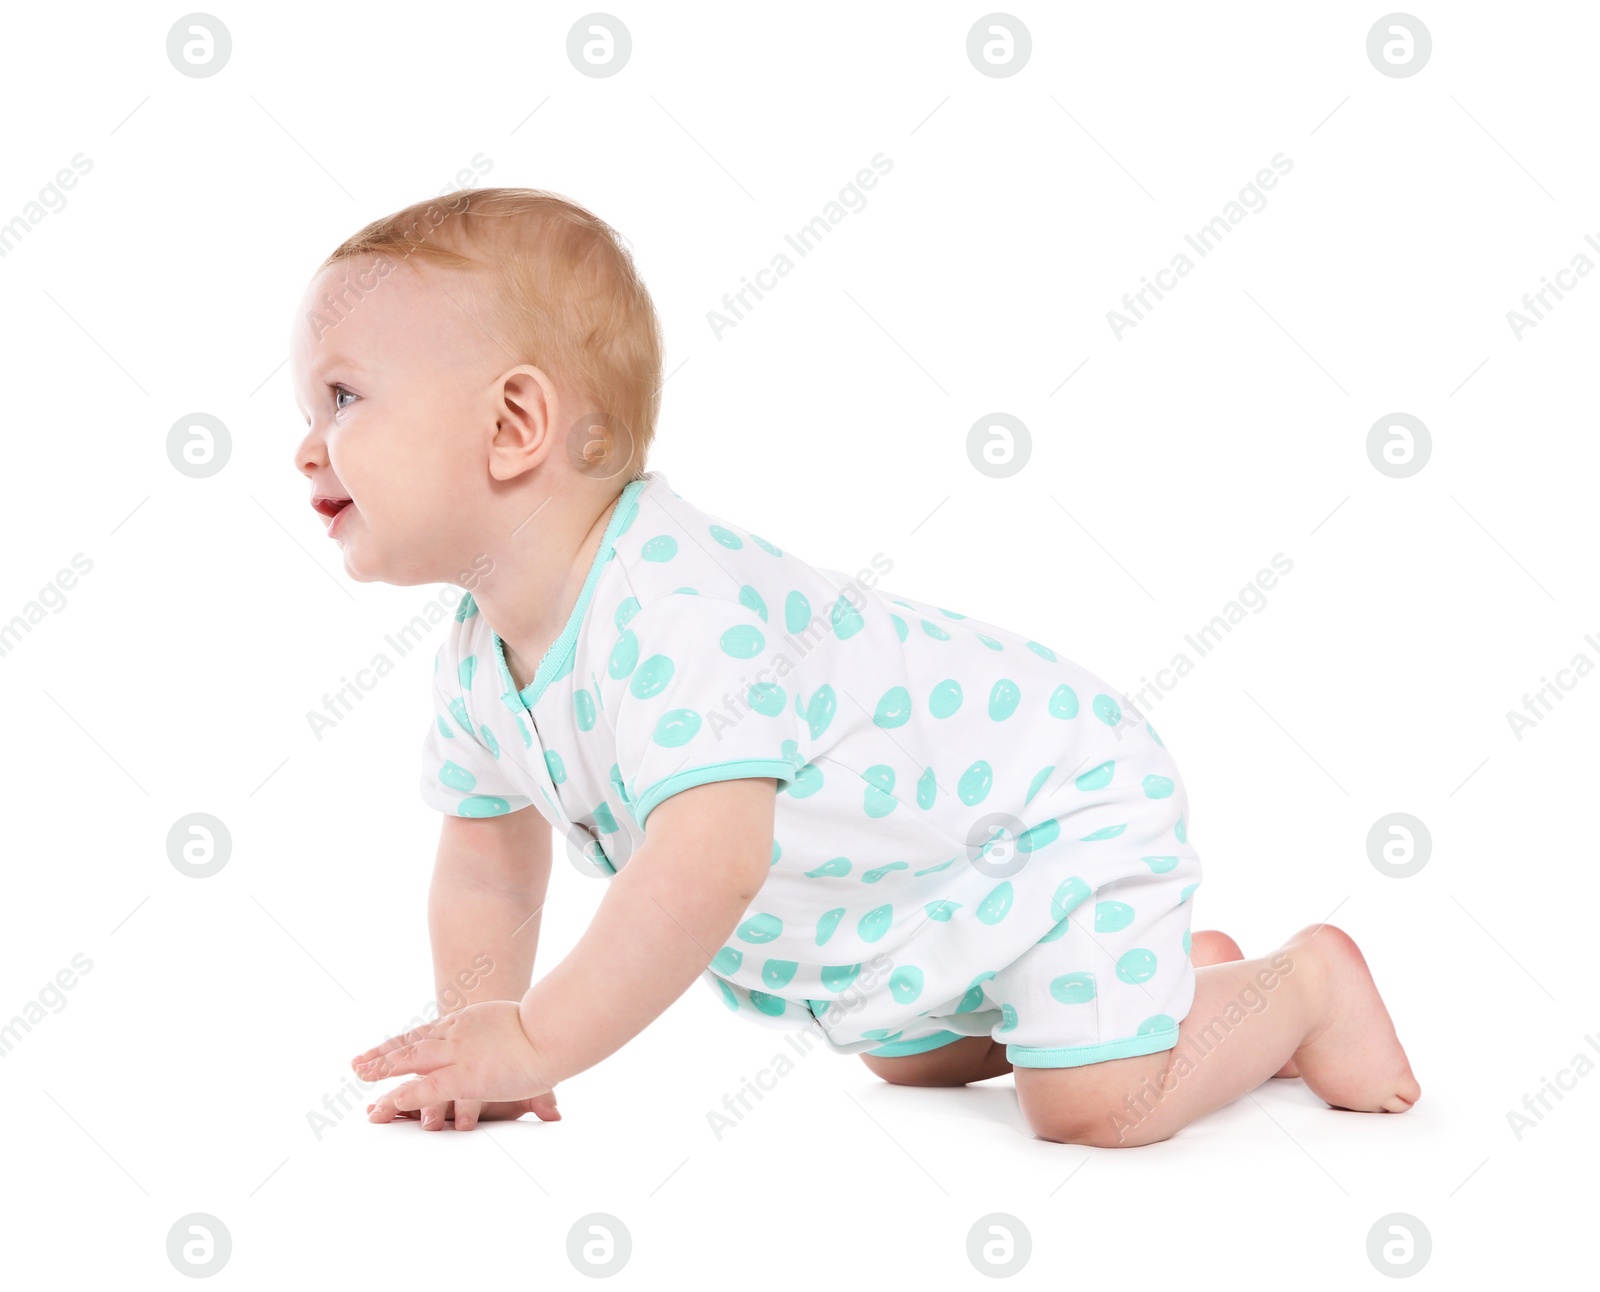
(1213,947)
(1322,1009)
(973,1058)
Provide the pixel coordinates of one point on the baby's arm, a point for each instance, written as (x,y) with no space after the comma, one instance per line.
(490,877)
(668,911)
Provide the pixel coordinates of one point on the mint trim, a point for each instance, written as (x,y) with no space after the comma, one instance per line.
(1074,1056)
(737,769)
(930,1042)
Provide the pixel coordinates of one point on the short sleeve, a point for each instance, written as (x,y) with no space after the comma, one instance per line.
(461,772)
(704,690)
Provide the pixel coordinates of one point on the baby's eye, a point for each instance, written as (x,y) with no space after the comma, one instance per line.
(336,391)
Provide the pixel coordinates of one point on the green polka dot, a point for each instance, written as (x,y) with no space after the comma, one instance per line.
(1181,830)
(751,599)
(742,641)
(1059,931)
(1041,650)
(1160,865)
(1003,699)
(833,868)
(663,547)
(997,904)
(838,977)
(728,998)
(1163,744)
(522,730)
(878,872)
(458,710)
(604,820)
(820,709)
(949,614)
(975,782)
(943,865)
(727,537)
(765,546)
(1188,892)
(465,671)
(796,612)
(466,609)
(894,708)
(624,655)
(555,766)
(767,698)
(847,620)
(1112,917)
(1157,787)
(651,677)
(974,995)
(1008,1018)
(941,910)
(1105,832)
(769,1005)
(444,727)
(777,974)
(989,642)
(676,727)
(878,799)
(1071,893)
(484,805)
(1096,778)
(1037,837)
(905,984)
(457,778)
(945,698)
(1073,988)
(1107,710)
(900,628)
(1137,965)
(727,960)
(875,923)
(927,787)
(1037,783)
(488,739)
(807,781)
(1156,1023)
(933,630)
(1187,941)
(828,923)
(583,708)
(1063,702)
(627,608)
(760,928)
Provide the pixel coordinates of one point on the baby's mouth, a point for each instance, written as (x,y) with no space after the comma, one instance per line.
(330,507)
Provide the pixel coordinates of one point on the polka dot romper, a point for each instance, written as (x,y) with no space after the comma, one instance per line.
(973,835)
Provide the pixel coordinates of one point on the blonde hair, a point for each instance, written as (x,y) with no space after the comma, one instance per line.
(569,300)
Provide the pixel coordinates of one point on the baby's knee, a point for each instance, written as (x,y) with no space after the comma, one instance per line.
(1099,1109)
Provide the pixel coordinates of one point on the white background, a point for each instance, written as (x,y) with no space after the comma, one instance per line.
(1229,425)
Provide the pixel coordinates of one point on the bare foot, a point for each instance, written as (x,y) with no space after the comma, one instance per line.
(1213,947)
(1351,1057)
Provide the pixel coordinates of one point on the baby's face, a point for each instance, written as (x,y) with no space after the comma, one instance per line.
(394,391)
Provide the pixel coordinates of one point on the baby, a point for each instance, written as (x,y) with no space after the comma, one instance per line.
(929,840)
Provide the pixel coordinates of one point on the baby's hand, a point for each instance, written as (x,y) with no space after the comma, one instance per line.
(464,1114)
(477,1053)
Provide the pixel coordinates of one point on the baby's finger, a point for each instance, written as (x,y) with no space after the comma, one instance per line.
(393,1043)
(422,1056)
(467,1113)
(433,1116)
(433,1089)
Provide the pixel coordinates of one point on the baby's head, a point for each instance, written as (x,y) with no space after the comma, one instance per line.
(463,363)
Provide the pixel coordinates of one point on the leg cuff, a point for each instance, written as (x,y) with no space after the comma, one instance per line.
(933,1041)
(1072,1056)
